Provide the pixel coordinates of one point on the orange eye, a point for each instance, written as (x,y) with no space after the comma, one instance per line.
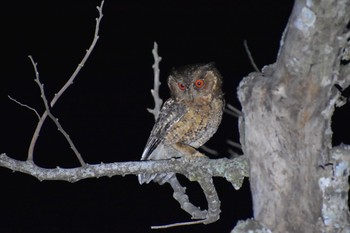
(181,86)
(199,83)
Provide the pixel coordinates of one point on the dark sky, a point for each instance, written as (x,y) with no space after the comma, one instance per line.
(104,111)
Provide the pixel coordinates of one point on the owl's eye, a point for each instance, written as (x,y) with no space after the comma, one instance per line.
(181,86)
(199,83)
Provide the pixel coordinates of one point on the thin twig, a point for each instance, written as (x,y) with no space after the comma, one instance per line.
(234,144)
(40,122)
(82,63)
(250,56)
(232,111)
(178,224)
(55,120)
(233,154)
(209,150)
(155,91)
(24,105)
(66,85)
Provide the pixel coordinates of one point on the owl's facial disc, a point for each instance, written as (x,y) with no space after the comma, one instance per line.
(196,84)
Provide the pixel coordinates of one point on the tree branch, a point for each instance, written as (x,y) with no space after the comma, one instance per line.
(200,169)
(233,170)
(213,213)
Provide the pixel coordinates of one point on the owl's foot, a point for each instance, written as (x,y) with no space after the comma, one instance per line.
(197,154)
(187,150)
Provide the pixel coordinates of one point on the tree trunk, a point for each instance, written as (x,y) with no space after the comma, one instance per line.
(287,109)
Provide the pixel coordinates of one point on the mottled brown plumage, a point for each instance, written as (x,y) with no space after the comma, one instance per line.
(188,119)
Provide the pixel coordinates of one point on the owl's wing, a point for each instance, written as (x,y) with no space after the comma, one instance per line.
(169,114)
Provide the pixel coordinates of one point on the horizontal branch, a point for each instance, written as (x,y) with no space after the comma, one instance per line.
(234,170)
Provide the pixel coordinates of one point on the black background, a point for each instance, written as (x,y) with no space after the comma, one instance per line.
(104,111)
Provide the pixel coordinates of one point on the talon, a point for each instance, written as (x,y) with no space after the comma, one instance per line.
(197,154)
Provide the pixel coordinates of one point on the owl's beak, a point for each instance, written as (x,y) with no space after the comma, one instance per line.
(191,97)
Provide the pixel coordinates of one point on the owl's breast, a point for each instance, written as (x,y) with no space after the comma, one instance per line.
(197,125)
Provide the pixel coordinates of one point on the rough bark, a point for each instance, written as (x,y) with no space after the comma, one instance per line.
(287,109)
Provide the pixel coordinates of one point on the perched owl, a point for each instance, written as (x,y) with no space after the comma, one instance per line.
(188,119)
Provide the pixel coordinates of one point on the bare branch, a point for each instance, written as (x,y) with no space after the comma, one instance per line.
(200,169)
(155,91)
(180,196)
(40,122)
(24,105)
(233,170)
(53,118)
(250,56)
(82,63)
(206,183)
(66,85)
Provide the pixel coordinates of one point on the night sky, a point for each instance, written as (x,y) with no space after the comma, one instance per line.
(104,111)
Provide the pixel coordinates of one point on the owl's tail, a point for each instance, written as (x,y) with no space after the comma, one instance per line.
(160,153)
(158,178)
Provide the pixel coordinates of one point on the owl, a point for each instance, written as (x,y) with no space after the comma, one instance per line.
(188,119)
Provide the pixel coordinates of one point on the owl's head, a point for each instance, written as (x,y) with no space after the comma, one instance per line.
(197,84)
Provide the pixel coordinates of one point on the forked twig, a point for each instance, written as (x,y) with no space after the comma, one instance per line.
(65,86)
(53,118)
